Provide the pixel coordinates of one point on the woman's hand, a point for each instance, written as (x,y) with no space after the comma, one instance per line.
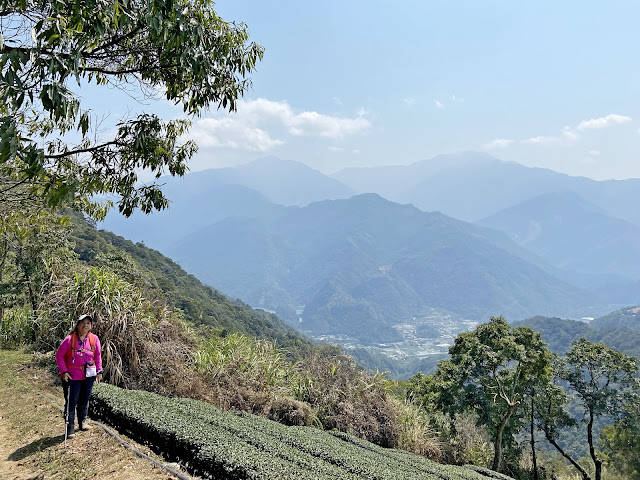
(99,377)
(66,377)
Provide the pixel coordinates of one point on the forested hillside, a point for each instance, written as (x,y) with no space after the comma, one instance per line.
(200,304)
(360,266)
(617,330)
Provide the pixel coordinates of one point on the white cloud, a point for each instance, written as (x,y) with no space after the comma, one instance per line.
(541,140)
(229,133)
(311,124)
(497,143)
(249,127)
(408,101)
(604,122)
(439,105)
(590,157)
(567,137)
(569,134)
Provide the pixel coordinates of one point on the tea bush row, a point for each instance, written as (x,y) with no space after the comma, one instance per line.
(217,444)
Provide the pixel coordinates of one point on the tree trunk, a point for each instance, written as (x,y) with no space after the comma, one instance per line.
(551,440)
(592,450)
(5,252)
(533,443)
(497,445)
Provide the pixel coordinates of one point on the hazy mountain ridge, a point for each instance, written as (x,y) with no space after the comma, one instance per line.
(375,259)
(362,263)
(201,198)
(472,186)
(572,234)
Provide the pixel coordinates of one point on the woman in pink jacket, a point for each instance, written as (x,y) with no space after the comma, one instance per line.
(80,364)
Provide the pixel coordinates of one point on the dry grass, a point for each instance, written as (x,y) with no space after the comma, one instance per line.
(31,429)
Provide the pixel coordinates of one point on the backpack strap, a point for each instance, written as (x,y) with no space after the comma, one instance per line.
(74,343)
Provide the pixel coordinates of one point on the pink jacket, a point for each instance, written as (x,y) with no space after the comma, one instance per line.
(72,358)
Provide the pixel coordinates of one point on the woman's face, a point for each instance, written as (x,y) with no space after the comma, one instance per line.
(84,326)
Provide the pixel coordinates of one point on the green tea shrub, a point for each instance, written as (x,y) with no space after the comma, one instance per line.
(218,444)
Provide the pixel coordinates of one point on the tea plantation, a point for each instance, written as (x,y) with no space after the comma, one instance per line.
(214,443)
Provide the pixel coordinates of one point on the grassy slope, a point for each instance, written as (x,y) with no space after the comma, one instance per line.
(31,428)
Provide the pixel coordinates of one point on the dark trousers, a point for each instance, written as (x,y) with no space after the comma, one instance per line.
(77,393)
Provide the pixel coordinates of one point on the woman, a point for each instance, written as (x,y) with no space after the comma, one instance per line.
(79,363)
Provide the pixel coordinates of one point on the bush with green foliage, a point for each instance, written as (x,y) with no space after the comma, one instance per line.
(219,444)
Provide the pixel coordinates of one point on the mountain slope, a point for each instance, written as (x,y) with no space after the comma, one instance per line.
(624,318)
(197,200)
(559,333)
(573,234)
(285,182)
(361,265)
(200,304)
(201,198)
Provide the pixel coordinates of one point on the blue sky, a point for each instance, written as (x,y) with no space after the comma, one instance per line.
(359,83)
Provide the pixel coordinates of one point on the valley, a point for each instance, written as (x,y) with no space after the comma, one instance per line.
(389,281)
(421,337)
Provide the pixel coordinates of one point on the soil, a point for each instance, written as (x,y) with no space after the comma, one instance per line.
(32,433)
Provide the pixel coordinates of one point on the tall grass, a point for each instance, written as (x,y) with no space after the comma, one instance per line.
(415,432)
(16,327)
(252,375)
(126,323)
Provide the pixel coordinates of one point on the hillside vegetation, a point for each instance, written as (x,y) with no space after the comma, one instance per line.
(54,269)
(200,304)
(219,444)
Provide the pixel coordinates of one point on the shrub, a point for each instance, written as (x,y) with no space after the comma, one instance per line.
(347,398)
(142,342)
(16,328)
(223,445)
(415,433)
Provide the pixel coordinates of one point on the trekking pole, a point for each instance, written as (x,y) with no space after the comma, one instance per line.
(66,417)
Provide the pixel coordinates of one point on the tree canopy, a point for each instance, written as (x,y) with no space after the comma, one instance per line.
(52,145)
(490,371)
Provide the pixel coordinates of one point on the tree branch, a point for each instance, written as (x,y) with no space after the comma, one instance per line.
(552,441)
(117,40)
(80,150)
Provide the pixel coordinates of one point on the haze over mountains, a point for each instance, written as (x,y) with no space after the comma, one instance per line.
(362,266)
(471,186)
(573,234)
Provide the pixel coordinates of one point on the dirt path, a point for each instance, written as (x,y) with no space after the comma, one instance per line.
(31,429)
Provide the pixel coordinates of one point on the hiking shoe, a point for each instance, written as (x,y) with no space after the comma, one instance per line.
(84,426)
(70,430)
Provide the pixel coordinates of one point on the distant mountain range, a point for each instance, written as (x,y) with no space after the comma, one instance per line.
(619,330)
(360,266)
(572,234)
(205,197)
(471,186)
(557,245)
